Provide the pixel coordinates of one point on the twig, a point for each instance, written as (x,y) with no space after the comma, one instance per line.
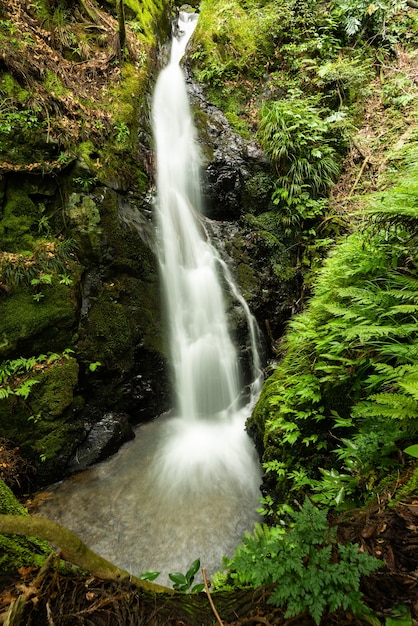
(215,612)
(366,160)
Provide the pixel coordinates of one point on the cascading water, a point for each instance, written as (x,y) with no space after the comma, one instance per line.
(203,356)
(188,485)
(206,445)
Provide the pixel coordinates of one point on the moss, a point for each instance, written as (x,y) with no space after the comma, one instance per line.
(54,391)
(26,322)
(39,424)
(54,85)
(110,329)
(20,215)
(11,88)
(85,219)
(125,314)
(256,423)
(148,13)
(18,551)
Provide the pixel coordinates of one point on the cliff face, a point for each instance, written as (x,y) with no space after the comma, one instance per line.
(80,322)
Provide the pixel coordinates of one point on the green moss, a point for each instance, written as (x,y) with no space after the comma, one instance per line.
(18,551)
(54,392)
(27,322)
(42,424)
(85,219)
(109,324)
(12,89)
(20,214)
(148,13)
(54,85)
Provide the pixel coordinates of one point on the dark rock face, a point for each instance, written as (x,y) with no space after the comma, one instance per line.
(229,161)
(236,182)
(103,439)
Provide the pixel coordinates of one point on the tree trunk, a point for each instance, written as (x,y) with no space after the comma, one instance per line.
(192,608)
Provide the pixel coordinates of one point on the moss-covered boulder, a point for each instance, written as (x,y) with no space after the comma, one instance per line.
(28,324)
(38,411)
(16,551)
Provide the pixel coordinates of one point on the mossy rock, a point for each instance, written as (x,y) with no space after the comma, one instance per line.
(123,315)
(18,221)
(42,425)
(16,551)
(27,325)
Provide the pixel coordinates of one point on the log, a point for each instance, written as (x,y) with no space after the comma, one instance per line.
(72,549)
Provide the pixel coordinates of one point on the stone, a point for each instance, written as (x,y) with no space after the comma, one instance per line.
(103,439)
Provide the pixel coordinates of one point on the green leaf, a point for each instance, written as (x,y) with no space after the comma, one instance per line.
(194,567)
(178,578)
(149,576)
(412,450)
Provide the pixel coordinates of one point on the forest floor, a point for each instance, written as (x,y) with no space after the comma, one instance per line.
(67,66)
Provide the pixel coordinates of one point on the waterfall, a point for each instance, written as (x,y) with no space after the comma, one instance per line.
(187,486)
(204,359)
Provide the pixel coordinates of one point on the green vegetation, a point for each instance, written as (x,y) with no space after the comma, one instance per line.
(337,419)
(17,551)
(344,398)
(36,394)
(310,571)
(184,582)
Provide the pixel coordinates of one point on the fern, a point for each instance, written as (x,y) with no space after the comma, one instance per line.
(352,355)
(308,569)
(390,405)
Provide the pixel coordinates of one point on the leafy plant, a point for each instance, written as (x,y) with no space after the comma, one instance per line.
(309,570)
(298,140)
(85,182)
(360,17)
(14,380)
(412,450)
(184,582)
(39,268)
(350,362)
(150,575)
(122,132)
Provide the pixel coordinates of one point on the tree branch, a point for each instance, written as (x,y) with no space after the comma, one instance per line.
(72,549)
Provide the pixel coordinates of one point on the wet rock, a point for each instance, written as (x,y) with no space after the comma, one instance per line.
(104,438)
(229,161)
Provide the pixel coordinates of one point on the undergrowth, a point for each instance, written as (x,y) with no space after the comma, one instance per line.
(308,569)
(343,403)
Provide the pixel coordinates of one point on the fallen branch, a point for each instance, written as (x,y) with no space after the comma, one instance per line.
(72,549)
(366,160)
(215,612)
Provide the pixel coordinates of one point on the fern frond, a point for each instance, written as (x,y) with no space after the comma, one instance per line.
(402,352)
(390,405)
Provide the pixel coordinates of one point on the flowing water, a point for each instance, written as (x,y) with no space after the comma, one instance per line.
(188,486)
